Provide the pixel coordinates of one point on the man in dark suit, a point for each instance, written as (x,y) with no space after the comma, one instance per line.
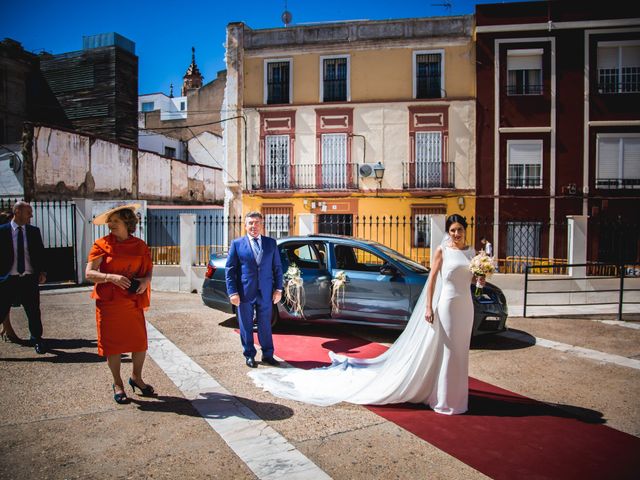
(22,269)
(254,283)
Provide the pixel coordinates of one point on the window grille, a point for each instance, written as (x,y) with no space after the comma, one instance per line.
(428,75)
(334,160)
(277,162)
(334,87)
(524,239)
(277,82)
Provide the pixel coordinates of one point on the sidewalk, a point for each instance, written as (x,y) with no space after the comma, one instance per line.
(59,419)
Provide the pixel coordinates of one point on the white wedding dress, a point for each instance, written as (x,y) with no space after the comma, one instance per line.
(428,363)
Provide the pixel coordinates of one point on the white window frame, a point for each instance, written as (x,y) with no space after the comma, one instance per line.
(621,174)
(618,45)
(331,57)
(525,142)
(265,77)
(529,52)
(443,91)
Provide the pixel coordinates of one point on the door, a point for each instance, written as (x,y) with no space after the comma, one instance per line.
(370,295)
(309,257)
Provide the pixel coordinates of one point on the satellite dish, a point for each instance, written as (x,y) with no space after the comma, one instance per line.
(286,17)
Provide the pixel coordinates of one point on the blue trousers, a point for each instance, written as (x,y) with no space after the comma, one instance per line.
(262,307)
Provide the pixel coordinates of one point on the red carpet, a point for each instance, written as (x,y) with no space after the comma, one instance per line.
(503,435)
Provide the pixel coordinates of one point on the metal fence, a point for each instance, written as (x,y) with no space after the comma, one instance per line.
(613,291)
(56,220)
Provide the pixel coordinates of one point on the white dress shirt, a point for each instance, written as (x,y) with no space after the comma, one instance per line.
(27,259)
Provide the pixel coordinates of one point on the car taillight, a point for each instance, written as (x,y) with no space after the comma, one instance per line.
(210,271)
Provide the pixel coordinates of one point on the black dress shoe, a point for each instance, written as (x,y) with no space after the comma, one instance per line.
(40,348)
(251,362)
(271,361)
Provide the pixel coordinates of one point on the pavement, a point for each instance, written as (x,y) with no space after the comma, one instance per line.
(58,419)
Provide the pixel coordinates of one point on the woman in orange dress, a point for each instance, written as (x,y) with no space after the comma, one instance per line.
(120,266)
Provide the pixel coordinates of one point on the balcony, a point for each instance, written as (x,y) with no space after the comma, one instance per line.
(304,176)
(427,175)
(617,183)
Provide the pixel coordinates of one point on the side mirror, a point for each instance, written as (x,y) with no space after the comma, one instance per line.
(388,269)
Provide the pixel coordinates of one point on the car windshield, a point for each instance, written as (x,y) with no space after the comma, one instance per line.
(407,262)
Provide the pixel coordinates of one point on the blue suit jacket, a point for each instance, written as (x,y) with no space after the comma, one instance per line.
(243,274)
(34,242)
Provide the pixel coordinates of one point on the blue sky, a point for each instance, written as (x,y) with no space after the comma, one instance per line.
(164,31)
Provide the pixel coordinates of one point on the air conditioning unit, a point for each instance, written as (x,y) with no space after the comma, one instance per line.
(365,170)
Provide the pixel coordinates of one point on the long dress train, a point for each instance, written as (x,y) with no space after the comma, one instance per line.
(428,363)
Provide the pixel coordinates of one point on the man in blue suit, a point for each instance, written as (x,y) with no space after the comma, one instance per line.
(254,283)
(22,269)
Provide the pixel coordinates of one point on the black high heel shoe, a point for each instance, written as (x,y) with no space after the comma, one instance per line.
(120,397)
(147,391)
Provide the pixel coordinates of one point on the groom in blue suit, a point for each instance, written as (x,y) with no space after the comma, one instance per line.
(254,284)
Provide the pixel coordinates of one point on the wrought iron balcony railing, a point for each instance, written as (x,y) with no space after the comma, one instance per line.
(428,175)
(617,183)
(305,176)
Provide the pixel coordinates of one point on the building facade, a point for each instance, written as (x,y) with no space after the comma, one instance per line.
(341,125)
(558,127)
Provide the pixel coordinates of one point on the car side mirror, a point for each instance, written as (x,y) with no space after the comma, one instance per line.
(388,269)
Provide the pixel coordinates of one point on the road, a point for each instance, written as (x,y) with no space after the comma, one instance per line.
(58,419)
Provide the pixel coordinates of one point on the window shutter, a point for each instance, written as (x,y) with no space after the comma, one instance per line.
(631,56)
(524,59)
(631,159)
(607,58)
(525,153)
(608,158)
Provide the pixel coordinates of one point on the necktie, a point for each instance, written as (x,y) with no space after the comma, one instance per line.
(20,251)
(257,249)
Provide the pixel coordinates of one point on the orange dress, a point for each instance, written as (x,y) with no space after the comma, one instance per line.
(120,314)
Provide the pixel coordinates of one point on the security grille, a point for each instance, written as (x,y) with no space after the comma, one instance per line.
(334,88)
(428,159)
(334,160)
(277,162)
(523,239)
(276,225)
(277,82)
(428,75)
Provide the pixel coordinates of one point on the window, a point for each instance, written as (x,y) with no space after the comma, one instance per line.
(335,79)
(301,255)
(618,161)
(277,162)
(523,239)
(334,160)
(182,106)
(428,173)
(524,159)
(148,106)
(277,81)
(421,223)
(338,224)
(357,259)
(428,74)
(276,225)
(170,152)
(619,67)
(524,72)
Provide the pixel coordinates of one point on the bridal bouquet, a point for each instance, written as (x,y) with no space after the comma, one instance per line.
(482,266)
(294,290)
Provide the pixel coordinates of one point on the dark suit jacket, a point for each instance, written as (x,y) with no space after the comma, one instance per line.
(243,274)
(34,244)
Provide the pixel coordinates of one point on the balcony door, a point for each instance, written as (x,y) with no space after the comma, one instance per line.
(428,159)
(334,161)
(277,162)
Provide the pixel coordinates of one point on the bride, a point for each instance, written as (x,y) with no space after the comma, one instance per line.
(428,363)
